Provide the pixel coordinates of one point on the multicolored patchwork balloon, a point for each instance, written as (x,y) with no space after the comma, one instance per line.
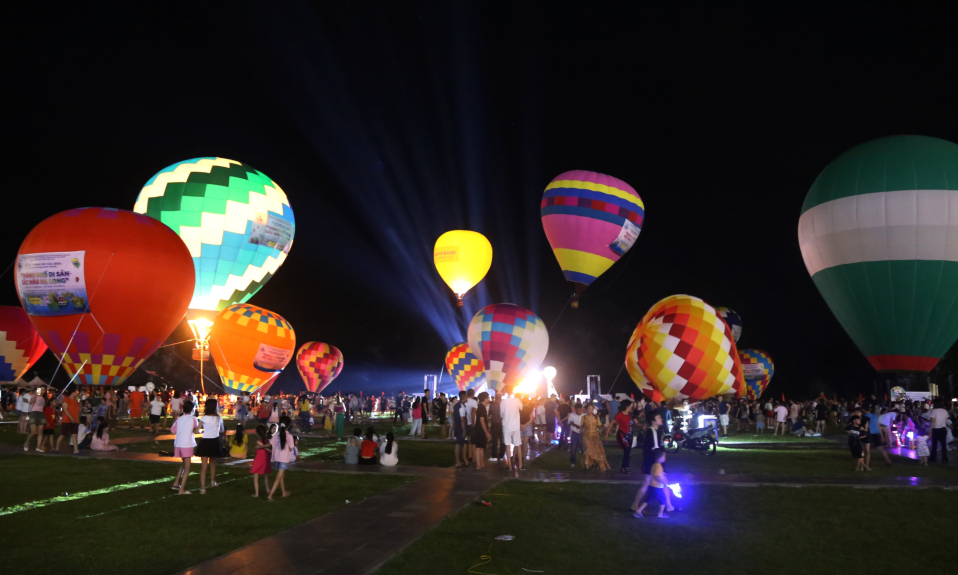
(318,364)
(733,320)
(236,222)
(104,288)
(20,344)
(757,369)
(683,349)
(591,220)
(250,346)
(879,240)
(510,340)
(466,369)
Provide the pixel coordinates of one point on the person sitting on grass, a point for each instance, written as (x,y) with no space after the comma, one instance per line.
(101,439)
(239,443)
(368,448)
(83,437)
(389,452)
(657,493)
(353,445)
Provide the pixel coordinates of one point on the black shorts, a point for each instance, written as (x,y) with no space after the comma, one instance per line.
(655,495)
(47,432)
(154,418)
(460,440)
(857,451)
(442,419)
(468,433)
(479,439)
(208,447)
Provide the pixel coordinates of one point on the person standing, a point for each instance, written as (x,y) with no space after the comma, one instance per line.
(563,411)
(939,432)
(781,412)
(417,418)
(282,443)
(424,407)
(481,431)
(511,408)
(70,424)
(575,432)
(497,447)
(37,420)
(261,459)
(723,415)
(594,452)
(24,404)
(304,413)
(622,424)
(340,412)
(471,406)
(459,430)
(156,411)
(209,447)
(552,412)
(875,439)
(440,405)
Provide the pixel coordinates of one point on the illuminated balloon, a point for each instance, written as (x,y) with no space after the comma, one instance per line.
(878,239)
(236,222)
(20,344)
(465,368)
(318,364)
(757,370)
(462,259)
(683,349)
(591,220)
(510,340)
(733,320)
(104,288)
(250,346)
(897,393)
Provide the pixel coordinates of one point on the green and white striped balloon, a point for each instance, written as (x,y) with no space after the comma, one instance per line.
(879,236)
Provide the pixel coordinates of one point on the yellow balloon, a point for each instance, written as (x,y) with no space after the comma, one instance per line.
(462,259)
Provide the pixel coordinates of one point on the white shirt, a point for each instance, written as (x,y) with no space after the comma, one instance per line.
(389,459)
(81,433)
(176,404)
(23,402)
(886,419)
(183,429)
(540,415)
(212,426)
(780,413)
(156,407)
(939,418)
(510,408)
(575,422)
(471,406)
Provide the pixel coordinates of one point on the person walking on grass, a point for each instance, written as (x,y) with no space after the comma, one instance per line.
(261,460)
(854,430)
(156,411)
(575,432)
(70,423)
(282,444)
(939,431)
(657,494)
(622,425)
(651,442)
(36,419)
(209,447)
(49,426)
(875,439)
(594,452)
(459,430)
(24,403)
(481,431)
(184,428)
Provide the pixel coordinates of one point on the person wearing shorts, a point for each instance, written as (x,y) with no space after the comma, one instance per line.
(70,424)
(184,443)
(459,430)
(511,408)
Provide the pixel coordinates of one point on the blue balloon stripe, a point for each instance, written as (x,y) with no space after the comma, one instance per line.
(583,212)
(592,195)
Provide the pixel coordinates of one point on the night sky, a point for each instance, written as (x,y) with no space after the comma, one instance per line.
(390,124)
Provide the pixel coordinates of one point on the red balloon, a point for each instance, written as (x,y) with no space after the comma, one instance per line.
(138,276)
(20,344)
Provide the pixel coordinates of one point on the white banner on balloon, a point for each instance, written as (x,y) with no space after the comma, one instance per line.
(52,283)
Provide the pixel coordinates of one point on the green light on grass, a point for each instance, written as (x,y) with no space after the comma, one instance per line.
(83,494)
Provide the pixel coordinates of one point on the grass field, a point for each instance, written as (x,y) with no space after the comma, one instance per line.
(67,515)
(584,528)
(837,462)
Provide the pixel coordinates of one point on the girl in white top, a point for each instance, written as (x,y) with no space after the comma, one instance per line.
(283,445)
(183,428)
(209,448)
(389,451)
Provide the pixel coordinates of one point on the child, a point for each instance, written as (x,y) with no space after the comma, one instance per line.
(239,443)
(101,439)
(183,428)
(657,485)
(353,447)
(283,444)
(759,422)
(156,411)
(261,459)
(84,437)
(855,442)
(49,424)
(922,450)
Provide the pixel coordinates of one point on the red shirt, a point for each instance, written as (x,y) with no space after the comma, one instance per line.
(50,416)
(368,448)
(72,407)
(624,421)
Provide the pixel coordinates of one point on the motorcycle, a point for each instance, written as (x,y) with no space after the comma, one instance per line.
(704,440)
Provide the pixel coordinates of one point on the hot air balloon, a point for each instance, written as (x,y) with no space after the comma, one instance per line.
(878,239)
(591,220)
(462,259)
(683,349)
(757,370)
(20,344)
(733,320)
(319,364)
(104,288)
(236,222)
(465,368)
(510,340)
(250,346)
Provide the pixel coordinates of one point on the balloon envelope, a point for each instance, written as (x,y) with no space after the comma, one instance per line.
(757,370)
(510,340)
(462,259)
(733,320)
(466,369)
(591,220)
(250,346)
(318,364)
(683,349)
(236,222)
(20,344)
(880,242)
(128,284)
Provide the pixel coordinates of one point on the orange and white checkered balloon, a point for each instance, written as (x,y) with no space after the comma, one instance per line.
(683,349)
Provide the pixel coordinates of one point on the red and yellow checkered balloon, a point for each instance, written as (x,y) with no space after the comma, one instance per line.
(319,364)
(683,349)
(466,369)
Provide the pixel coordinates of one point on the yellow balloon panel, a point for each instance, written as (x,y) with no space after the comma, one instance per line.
(462,259)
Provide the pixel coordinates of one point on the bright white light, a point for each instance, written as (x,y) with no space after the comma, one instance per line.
(530,384)
(201,330)
(676,489)
(549,372)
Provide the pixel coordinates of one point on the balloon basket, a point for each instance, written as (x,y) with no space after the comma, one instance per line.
(575,301)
